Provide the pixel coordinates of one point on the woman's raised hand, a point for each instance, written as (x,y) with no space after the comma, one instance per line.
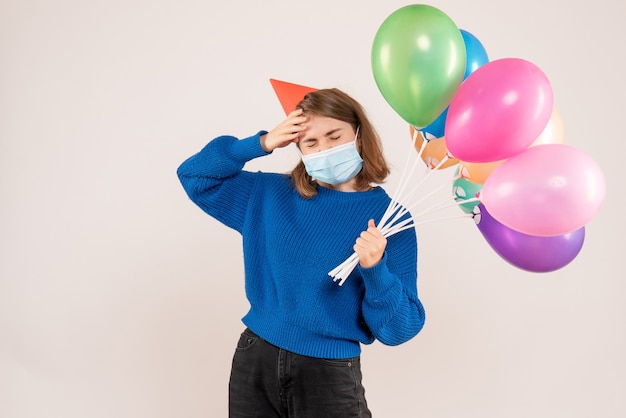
(284,133)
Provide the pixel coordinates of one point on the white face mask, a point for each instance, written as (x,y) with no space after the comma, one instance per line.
(335,165)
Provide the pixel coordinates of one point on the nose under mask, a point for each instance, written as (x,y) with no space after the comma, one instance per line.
(335,165)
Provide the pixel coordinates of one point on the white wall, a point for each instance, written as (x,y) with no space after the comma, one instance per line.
(119,298)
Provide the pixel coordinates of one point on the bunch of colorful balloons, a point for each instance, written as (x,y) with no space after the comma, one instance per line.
(531,194)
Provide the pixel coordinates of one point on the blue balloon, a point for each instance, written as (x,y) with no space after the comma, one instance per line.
(475,53)
(476,57)
(436,127)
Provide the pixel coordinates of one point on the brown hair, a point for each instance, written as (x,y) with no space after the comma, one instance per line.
(336,104)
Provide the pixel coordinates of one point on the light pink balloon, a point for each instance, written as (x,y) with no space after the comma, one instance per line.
(498,111)
(546,190)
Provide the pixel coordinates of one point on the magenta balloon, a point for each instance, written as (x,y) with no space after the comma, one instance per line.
(546,190)
(528,252)
(498,111)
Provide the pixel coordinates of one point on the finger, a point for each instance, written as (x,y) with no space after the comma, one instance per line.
(366,236)
(294,133)
(373,230)
(371,226)
(295,112)
(296,119)
(375,233)
(360,245)
(297,125)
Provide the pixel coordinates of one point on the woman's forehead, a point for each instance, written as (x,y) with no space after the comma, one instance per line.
(324,123)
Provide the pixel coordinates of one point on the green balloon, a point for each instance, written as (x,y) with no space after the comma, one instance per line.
(463,190)
(418,61)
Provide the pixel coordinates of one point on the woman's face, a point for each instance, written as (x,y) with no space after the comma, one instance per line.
(323,133)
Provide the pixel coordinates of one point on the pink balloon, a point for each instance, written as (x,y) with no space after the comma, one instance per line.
(546,190)
(498,111)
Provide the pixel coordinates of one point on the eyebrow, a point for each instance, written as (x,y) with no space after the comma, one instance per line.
(327,134)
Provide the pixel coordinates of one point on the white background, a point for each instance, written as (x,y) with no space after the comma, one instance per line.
(120,298)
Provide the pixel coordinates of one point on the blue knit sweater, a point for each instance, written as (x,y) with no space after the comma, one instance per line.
(291,243)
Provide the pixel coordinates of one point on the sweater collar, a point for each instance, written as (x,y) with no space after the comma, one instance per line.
(339,196)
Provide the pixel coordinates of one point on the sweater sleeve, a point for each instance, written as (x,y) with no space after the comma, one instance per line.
(215,181)
(391,307)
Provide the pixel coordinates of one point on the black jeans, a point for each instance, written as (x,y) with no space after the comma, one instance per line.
(269,382)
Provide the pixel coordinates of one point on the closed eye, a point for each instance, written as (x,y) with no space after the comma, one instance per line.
(312,141)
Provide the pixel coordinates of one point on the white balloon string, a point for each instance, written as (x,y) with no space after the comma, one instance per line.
(428,195)
(399,227)
(387,229)
(405,178)
(407,198)
(413,191)
(391,222)
(470,200)
(452,202)
(465,215)
(341,272)
(441,205)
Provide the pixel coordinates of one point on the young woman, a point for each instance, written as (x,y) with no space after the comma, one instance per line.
(300,353)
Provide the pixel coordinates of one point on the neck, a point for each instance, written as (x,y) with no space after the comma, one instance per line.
(348,186)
